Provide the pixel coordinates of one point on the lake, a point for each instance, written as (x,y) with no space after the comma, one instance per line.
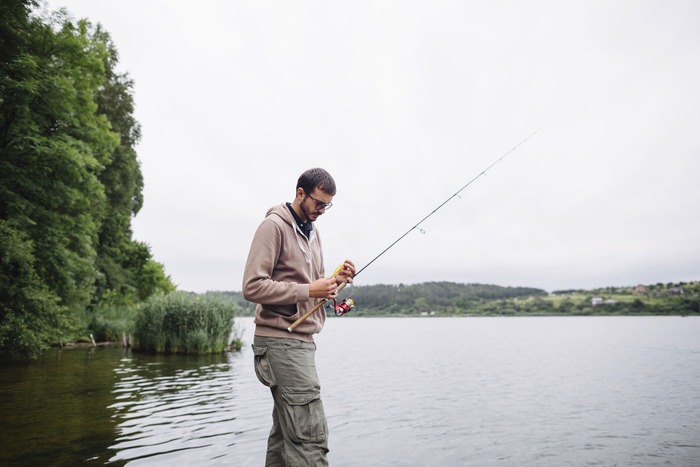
(548,391)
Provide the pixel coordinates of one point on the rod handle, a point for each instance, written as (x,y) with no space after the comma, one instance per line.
(303,318)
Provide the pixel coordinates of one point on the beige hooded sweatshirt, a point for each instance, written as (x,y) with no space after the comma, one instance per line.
(281,264)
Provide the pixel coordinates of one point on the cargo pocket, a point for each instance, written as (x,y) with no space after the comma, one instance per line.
(263,370)
(307,417)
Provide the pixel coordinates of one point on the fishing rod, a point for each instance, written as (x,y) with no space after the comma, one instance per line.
(348,304)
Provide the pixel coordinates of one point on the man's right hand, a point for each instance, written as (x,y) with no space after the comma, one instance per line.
(325,287)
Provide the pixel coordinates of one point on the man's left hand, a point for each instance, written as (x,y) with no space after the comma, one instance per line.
(347,273)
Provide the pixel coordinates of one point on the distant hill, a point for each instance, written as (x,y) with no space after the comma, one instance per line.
(455,299)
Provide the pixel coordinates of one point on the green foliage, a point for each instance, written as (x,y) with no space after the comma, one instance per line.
(70,181)
(53,148)
(30,315)
(245,308)
(125,265)
(236,338)
(434,297)
(109,323)
(658,299)
(184,323)
(451,299)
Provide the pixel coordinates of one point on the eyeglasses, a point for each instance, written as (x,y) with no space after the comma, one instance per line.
(319,204)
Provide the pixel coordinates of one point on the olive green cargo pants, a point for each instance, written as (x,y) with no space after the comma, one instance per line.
(299,434)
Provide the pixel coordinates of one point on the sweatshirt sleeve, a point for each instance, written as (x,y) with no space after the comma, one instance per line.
(258,284)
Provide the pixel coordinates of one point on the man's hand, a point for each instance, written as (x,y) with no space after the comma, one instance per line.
(347,273)
(326,287)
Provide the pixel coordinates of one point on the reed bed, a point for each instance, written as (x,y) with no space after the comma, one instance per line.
(108,323)
(185,323)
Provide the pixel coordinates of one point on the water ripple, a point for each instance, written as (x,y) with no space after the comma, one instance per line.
(469,392)
(177,408)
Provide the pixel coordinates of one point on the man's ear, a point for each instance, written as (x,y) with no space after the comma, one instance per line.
(300,192)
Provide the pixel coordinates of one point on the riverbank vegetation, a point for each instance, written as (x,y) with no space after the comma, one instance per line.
(70,183)
(181,322)
(452,299)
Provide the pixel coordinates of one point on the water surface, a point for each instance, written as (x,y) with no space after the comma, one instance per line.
(608,391)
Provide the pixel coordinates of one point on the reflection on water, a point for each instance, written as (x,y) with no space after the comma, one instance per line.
(161,406)
(106,406)
(186,411)
(55,411)
(400,392)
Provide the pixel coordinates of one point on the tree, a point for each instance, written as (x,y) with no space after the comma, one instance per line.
(126,268)
(70,182)
(53,148)
(30,313)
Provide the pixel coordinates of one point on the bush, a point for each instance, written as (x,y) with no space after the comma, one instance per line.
(109,323)
(184,323)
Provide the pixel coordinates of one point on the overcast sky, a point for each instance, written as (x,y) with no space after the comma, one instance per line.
(404,102)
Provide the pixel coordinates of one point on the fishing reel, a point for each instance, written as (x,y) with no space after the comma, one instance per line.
(343,307)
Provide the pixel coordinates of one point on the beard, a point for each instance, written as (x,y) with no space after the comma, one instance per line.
(310,216)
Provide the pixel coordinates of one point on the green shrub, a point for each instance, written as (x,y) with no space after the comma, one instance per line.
(184,323)
(108,323)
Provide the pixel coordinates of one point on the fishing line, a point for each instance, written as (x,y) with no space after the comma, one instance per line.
(347,304)
(417,226)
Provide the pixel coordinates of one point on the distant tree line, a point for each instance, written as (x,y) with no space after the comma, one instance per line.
(432,297)
(414,299)
(454,299)
(70,181)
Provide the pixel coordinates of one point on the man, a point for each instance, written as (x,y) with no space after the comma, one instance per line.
(284,275)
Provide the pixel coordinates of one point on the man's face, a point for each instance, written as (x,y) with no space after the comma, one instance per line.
(315,203)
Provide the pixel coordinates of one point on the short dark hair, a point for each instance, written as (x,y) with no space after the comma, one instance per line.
(316,178)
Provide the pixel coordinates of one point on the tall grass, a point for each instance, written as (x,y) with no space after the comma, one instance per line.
(108,323)
(184,323)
